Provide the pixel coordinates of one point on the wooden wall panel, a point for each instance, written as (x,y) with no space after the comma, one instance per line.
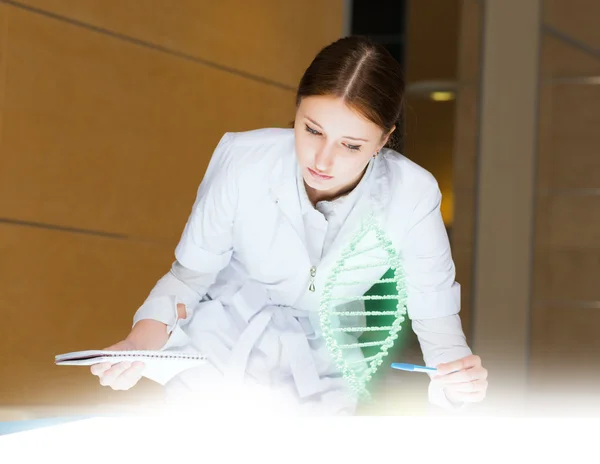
(3,44)
(568,221)
(65,292)
(567,274)
(268,38)
(105,135)
(575,18)
(568,115)
(560,58)
(564,335)
(566,265)
(571,148)
(567,209)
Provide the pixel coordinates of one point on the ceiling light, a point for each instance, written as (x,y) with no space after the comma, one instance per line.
(441,96)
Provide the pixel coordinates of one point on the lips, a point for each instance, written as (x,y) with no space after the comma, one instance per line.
(319,176)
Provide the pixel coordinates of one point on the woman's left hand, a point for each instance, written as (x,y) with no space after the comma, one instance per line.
(464,380)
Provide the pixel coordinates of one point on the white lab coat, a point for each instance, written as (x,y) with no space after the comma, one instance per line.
(250,310)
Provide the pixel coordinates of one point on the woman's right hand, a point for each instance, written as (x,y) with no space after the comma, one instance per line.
(119,376)
(146,334)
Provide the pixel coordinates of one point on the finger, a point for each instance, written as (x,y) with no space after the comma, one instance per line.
(468,397)
(457,377)
(465,375)
(125,383)
(110,375)
(468,387)
(128,378)
(458,365)
(100,368)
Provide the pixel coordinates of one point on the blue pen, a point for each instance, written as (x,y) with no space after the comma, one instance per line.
(413,367)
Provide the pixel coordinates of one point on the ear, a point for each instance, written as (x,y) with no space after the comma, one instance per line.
(387,137)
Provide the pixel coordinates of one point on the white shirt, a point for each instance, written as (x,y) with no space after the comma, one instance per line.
(252,220)
(323,222)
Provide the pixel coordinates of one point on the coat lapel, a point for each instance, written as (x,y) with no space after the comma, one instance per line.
(284,190)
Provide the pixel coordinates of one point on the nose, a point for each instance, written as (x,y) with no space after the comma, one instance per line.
(324,159)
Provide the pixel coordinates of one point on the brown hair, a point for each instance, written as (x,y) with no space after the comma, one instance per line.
(366,76)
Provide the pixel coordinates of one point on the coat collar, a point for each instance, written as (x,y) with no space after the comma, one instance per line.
(374,196)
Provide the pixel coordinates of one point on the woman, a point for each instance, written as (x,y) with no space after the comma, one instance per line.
(271,215)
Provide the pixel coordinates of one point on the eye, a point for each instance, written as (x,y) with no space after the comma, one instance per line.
(312,131)
(353,147)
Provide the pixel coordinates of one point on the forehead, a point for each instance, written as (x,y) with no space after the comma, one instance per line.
(334,115)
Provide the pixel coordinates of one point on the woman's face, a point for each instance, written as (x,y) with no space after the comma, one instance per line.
(334,145)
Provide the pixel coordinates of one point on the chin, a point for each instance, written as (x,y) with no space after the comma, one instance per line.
(315,184)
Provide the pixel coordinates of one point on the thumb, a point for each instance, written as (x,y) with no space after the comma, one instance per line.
(443,369)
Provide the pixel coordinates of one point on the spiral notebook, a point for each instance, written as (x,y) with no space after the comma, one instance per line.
(160,366)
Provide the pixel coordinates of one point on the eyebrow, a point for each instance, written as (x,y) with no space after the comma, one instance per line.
(345,136)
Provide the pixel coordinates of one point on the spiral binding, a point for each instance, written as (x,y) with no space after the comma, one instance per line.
(152,354)
(131,354)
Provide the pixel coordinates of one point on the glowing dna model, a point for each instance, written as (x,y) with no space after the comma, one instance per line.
(358,372)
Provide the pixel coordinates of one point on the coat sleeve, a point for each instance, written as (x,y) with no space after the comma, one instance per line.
(433,293)
(442,340)
(427,260)
(206,244)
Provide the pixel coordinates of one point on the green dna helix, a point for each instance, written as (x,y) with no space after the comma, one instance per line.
(384,302)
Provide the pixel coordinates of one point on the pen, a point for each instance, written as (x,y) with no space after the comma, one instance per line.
(413,367)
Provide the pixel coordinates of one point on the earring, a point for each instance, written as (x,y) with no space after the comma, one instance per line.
(376,153)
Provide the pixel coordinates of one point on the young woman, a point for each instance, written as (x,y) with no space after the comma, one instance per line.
(273,212)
